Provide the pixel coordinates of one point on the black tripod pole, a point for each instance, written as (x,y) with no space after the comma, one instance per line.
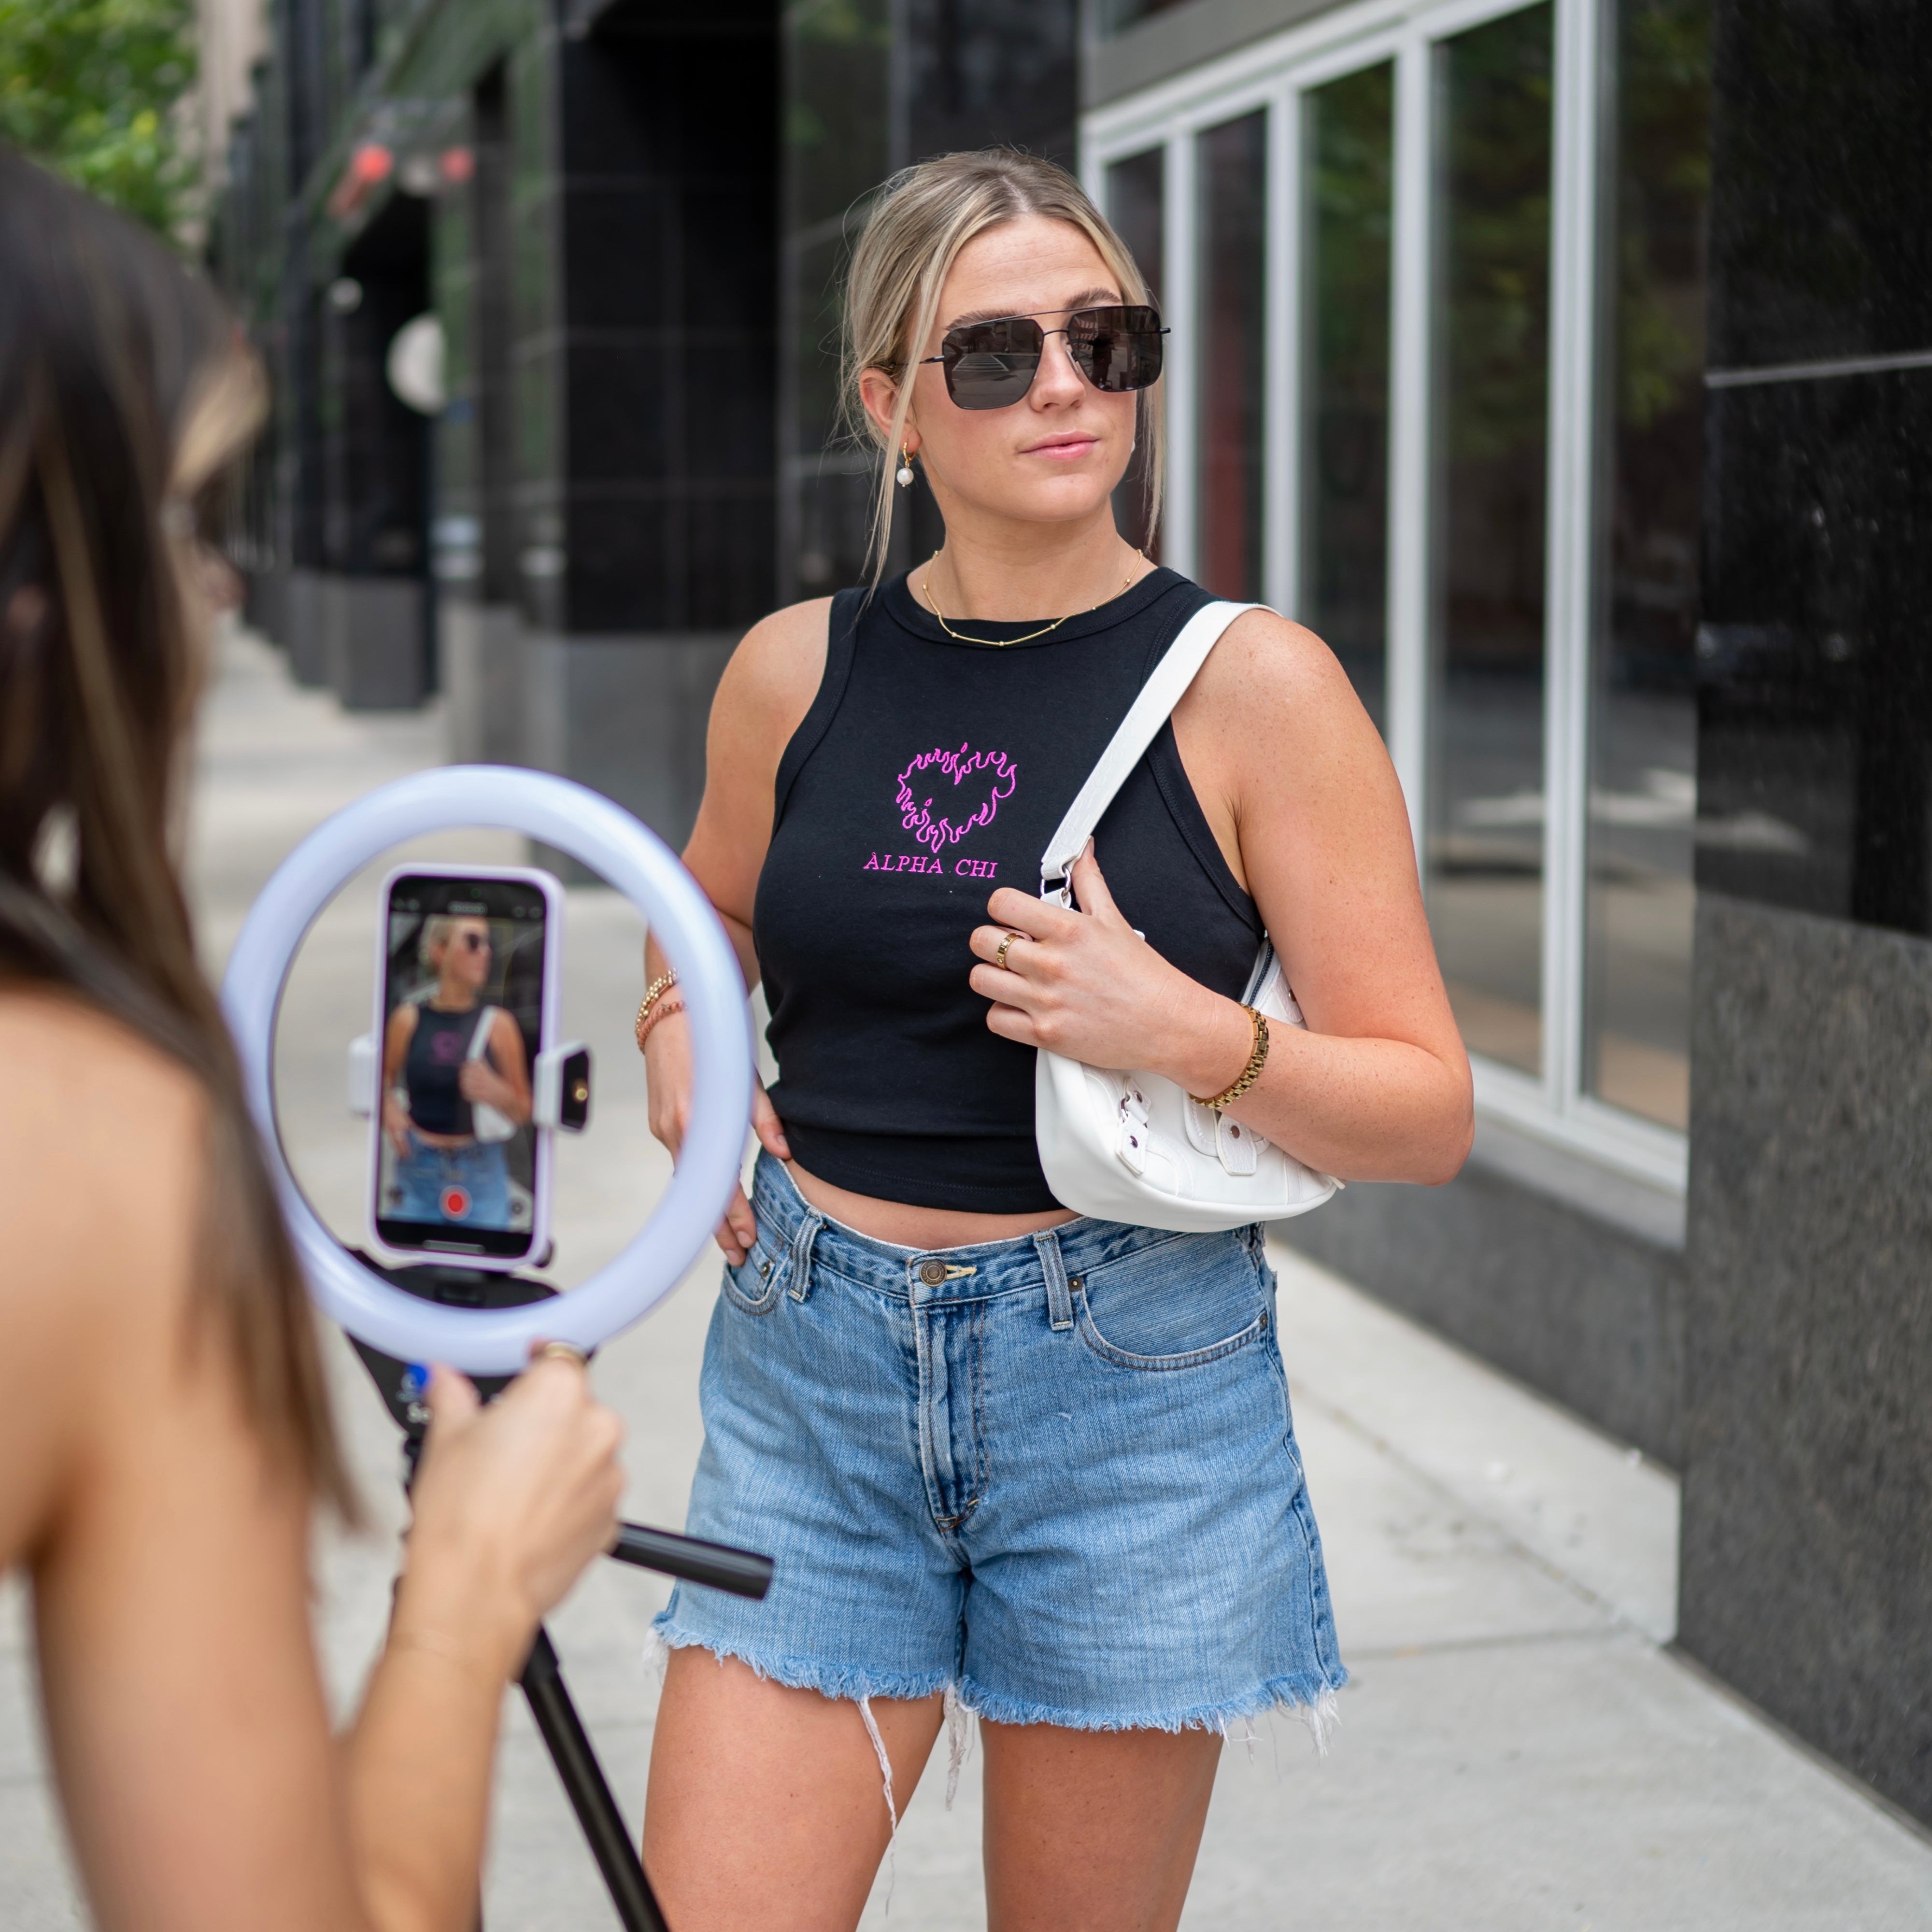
(583,1779)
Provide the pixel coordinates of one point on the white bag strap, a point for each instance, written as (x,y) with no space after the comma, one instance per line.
(1137,730)
(479,1041)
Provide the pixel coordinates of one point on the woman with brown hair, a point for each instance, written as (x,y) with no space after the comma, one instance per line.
(164,1428)
(1037,1466)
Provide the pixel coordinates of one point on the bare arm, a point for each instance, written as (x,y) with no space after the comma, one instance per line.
(1300,793)
(396,1038)
(169,1558)
(762,699)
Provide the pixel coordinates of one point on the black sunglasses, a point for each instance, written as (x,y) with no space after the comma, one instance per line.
(990,364)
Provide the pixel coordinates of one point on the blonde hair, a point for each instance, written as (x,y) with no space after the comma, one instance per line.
(925,215)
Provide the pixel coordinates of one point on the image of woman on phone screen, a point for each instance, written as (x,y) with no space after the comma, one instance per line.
(444,1056)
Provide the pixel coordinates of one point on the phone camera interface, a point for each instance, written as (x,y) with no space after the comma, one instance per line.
(463,971)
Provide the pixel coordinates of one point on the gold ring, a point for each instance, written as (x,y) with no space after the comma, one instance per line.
(999,958)
(561,1352)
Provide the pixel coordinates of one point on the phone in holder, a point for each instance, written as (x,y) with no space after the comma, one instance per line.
(466,1065)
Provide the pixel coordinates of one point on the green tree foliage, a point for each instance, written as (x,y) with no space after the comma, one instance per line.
(93,89)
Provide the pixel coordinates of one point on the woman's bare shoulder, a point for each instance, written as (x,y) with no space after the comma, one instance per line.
(780,660)
(101,1153)
(101,1139)
(1273,687)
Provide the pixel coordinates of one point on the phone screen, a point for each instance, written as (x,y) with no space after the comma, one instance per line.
(458,1168)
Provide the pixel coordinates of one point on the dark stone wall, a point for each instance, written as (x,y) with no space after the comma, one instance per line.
(662,372)
(1579,1309)
(1807,1575)
(1806,1565)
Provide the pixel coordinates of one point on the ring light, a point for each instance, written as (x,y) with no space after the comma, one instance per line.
(590,828)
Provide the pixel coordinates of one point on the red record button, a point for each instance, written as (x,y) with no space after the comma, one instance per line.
(455,1204)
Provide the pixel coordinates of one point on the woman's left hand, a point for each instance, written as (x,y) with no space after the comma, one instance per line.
(1085,984)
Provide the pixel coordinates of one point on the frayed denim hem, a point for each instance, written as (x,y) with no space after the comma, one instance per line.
(1310,1702)
(800,1673)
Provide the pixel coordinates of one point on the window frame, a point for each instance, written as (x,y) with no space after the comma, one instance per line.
(1274,73)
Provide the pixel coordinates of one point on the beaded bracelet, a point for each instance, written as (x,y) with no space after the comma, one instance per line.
(1250,1073)
(663,1013)
(655,992)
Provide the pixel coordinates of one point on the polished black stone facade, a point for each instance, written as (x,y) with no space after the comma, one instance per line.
(660,346)
(1821,151)
(1815,666)
(1807,1575)
(1815,744)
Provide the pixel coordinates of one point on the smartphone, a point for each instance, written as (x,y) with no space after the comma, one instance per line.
(466,982)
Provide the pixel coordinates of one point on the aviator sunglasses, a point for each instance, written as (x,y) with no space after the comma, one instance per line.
(990,364)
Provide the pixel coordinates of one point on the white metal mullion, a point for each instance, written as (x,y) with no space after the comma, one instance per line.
(1177,548)
(1281,467)
(1411,277)
(1574,202)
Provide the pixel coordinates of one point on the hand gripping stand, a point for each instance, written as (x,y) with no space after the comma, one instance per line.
(484,1323)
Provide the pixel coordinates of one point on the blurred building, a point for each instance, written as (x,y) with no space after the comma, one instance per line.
(1568,366)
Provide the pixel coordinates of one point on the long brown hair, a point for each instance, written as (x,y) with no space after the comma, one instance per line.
(124,391)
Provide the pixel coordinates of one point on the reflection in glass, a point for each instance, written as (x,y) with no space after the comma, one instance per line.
(1137,211)
(1345,343)
(1230,168)
(1486,818)
(1643,784)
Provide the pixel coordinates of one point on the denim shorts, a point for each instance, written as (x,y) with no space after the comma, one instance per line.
(425,1175)
(1054,1477)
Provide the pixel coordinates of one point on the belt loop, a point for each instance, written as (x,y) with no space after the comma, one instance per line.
(1059,1302)
(801,1241)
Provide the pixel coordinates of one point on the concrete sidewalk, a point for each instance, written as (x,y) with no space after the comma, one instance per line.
(1518,1747)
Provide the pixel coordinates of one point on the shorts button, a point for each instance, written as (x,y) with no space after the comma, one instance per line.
(932,1272)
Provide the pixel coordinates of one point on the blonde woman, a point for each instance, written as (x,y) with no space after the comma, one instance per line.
(1041,1466)
(433,1078)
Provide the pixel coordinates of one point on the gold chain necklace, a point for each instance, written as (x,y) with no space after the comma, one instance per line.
(1000,643)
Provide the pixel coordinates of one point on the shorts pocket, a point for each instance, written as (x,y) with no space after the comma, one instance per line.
(1174,1311)
(755,1283)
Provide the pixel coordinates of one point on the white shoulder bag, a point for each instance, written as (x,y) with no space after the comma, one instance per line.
(1123,1146)
(490,1123)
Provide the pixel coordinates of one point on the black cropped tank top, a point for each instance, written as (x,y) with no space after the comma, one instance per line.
(927,773)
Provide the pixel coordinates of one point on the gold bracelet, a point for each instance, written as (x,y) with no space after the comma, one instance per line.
(663,1013)
(1250,1073)
(654,992)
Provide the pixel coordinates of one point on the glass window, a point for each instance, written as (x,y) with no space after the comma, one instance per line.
(1347,167)
(1643,790)
(1486,818)
(1137,208)
(1231,163)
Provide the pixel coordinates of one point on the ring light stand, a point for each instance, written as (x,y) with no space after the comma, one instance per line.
(486,1324)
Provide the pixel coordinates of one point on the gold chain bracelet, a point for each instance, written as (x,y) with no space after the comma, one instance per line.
(1250,1073)
(654,992)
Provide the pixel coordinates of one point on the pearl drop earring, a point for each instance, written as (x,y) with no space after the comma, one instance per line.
(905,466)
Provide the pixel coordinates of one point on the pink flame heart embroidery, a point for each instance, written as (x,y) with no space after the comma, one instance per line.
(940,829)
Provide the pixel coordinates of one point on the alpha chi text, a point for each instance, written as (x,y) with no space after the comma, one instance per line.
(917,862)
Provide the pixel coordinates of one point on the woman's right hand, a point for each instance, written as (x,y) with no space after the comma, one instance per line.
(512,1502)
(668,1062)
(396,1125)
